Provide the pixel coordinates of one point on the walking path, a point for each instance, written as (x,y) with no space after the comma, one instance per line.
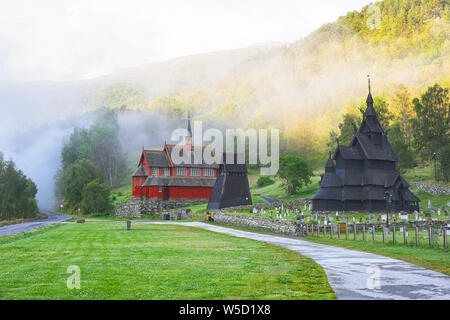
(353,274)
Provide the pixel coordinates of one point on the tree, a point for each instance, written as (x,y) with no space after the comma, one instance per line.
(17,193)
(76,177)
(332,141)
(430,128)
(404,153)
(403,111)
(96,198)
(444,162)
(264,181)
(346,128)
(295,172)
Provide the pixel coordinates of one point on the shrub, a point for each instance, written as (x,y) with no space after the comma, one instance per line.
(264,181)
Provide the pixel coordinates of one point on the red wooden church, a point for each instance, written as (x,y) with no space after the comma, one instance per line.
(157,177)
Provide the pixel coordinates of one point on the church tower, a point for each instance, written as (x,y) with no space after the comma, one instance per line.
(358,175)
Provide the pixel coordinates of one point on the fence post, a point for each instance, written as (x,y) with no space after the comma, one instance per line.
(331,231)
(364,232)
(430,242)
(417,236)
(373,233)
(445,237)
(384,234)
(393,234)
(405,240)
(346,231)
(354,231)
(324,231)
(339,232)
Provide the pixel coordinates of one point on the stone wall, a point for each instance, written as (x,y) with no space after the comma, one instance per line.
(267,205)
(138,208)
(431,188)
(279,226)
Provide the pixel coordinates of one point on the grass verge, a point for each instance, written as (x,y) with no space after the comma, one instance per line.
(153,262)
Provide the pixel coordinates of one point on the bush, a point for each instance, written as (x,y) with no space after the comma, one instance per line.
(96,198)
(264,181)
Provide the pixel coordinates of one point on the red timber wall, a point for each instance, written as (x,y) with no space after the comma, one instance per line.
(177,192)
(137,183)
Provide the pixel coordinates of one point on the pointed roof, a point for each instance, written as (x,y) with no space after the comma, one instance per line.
(188,128)
(140,172)
(330,163)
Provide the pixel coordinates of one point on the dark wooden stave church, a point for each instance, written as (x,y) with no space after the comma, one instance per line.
(231,187)
(363,172)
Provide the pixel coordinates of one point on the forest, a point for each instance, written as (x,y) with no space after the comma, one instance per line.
(17,193)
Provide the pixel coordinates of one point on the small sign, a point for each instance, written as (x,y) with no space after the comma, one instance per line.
(383,217)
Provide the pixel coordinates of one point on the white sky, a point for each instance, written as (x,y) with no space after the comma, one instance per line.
(63,40)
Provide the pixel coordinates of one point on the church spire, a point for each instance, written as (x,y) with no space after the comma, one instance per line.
(370,111)
(189,124)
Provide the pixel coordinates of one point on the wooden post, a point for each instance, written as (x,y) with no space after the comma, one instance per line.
(445,237)
(339,232)
(128,225)
(331,231)
(324,231)
(354,231)
(318,230)
(430,242)
(417,236)
(393,234)
(373,233)
(346,231)
(405,240)
(364,232)
(384,234)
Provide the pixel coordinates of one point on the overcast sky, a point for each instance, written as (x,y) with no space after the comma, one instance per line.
(63,40)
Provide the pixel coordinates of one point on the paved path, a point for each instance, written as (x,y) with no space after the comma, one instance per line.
(270,199)
(27,226)
(350,272)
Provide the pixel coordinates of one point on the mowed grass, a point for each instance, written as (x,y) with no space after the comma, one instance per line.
(153,262)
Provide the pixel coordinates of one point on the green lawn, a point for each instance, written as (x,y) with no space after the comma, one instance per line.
(153,262)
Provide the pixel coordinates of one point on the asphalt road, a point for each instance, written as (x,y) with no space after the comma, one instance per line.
(27,226)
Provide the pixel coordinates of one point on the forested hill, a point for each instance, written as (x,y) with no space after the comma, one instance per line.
(303,88)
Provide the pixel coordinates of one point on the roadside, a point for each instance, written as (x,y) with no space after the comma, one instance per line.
(53,218)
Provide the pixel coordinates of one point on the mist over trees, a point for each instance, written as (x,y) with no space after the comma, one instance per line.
(17,193)
(417,128)
(92,154)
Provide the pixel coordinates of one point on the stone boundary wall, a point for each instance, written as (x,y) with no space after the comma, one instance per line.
(431,188)
(138,208)
(267,205)
(281,226)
